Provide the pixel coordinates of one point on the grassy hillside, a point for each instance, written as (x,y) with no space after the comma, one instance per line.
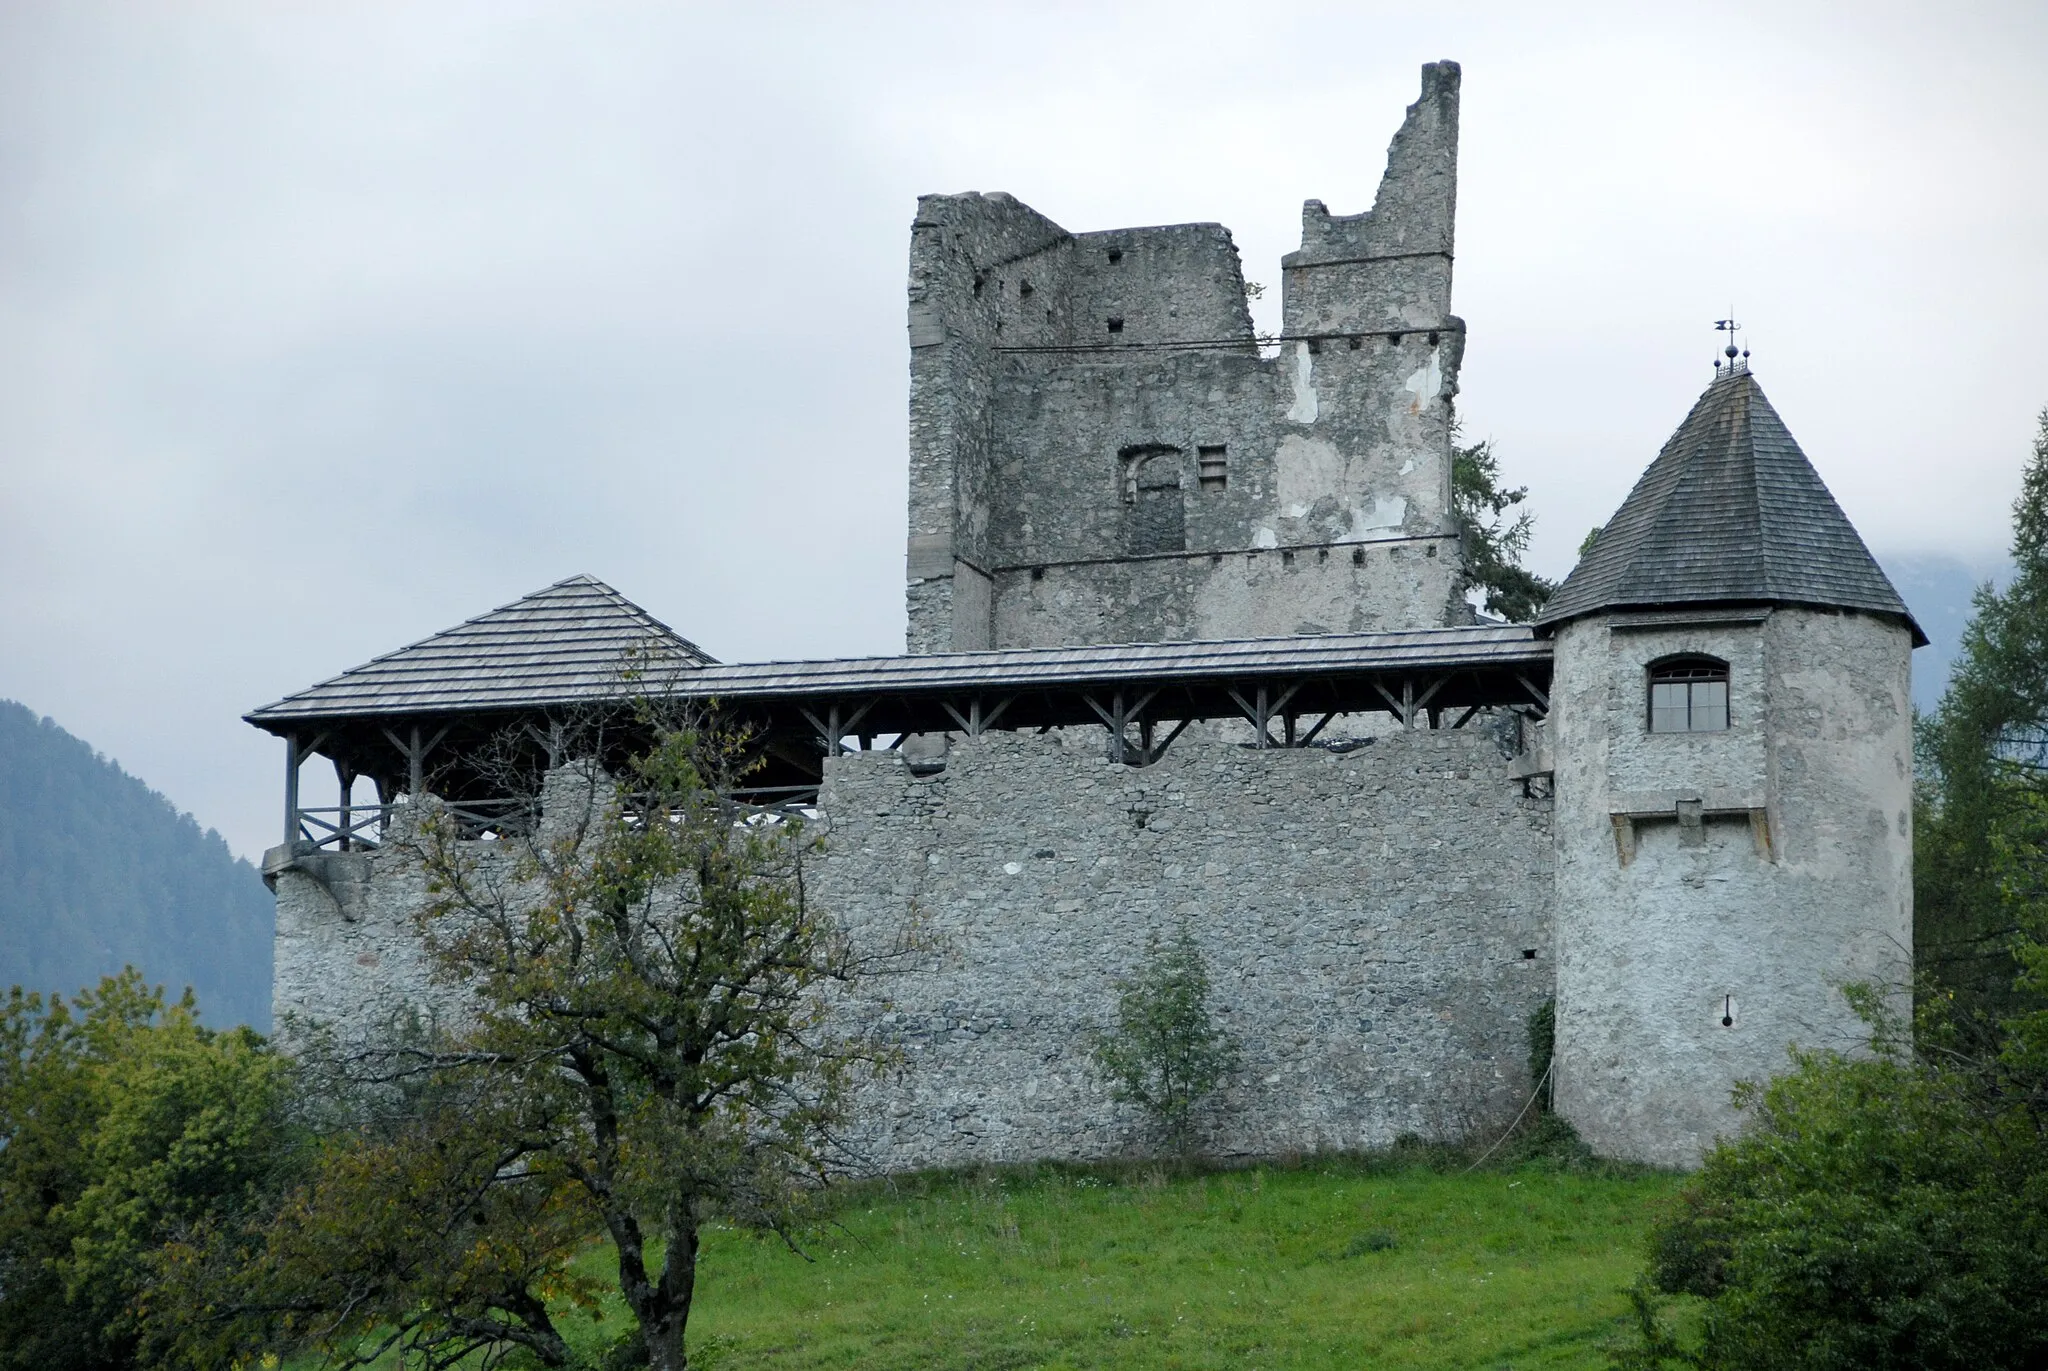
(97,870)
(1337,1264)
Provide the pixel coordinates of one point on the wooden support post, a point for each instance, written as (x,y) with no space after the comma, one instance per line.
(416,768)
(291,788)
(1153,754)
(835,726)
(347,778)
(977,721)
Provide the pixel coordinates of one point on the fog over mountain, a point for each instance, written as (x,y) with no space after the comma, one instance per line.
(1938,589)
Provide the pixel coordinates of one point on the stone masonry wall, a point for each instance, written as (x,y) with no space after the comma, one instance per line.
(1366,916)
(1704,925)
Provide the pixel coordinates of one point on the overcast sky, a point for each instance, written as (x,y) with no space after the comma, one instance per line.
(325,326)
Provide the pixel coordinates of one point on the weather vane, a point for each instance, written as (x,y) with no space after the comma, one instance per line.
(1731,352)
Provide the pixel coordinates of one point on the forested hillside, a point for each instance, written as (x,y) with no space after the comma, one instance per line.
(97,870)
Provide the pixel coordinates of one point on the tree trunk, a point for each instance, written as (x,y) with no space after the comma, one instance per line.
(667,1315)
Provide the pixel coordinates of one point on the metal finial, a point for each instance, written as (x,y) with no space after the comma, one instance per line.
(1731,352)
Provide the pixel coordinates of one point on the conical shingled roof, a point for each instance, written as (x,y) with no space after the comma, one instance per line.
(568,642)
(1730,512)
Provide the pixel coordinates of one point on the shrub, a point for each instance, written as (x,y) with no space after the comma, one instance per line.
(1166,1054)
(1886,1213)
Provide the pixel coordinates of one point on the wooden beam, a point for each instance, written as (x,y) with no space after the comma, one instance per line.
(291,788)
(1321,724)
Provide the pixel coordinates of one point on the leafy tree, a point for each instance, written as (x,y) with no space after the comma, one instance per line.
(646,1046)
(1494,542)
(1166,1054)
(123,1124)
(1983,764)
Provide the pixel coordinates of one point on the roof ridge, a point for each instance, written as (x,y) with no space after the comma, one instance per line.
(460,641)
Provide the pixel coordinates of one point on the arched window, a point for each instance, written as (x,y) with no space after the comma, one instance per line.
(1155,512)
(1688,695)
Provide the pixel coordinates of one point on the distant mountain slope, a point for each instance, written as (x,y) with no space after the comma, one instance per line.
(1938,589)
(98,870)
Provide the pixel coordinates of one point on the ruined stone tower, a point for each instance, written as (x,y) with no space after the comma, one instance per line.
(1099,452)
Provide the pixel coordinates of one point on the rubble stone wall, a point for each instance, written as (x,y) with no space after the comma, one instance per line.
(1376,923)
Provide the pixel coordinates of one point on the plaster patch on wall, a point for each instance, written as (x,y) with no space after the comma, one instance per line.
(1303,410)
(1408,467)
(1425,385)
(1383,520)
(1265,537)
(1306,470)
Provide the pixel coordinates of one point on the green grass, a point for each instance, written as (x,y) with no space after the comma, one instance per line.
(1338,1263)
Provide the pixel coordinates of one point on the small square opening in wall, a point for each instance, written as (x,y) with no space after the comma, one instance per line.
(1024,291)
(1116,325)
(1358,556)
(1213,466)
(1528,954)
(1038,573)
(1115,255)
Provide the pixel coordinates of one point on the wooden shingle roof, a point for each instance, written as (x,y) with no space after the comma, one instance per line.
(1731,512)
(565,643)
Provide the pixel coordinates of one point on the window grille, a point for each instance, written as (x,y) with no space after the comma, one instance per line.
(1689,695)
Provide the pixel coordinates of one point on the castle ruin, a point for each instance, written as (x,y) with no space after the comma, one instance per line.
(1189,648)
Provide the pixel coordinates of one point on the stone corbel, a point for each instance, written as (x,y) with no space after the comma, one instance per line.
(343,876)
(1692,814)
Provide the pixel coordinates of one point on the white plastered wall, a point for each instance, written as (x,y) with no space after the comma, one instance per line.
(1797,882)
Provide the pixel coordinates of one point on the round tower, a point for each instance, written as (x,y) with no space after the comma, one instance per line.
(1731,731)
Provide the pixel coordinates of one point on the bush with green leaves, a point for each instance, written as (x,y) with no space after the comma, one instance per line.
(124,1124)
(1886,1213)
(1166,1054)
